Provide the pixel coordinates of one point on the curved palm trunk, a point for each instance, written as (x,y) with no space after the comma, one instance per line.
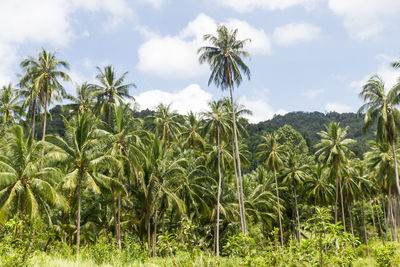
(219,191)
(396,171)
(386,219)
(78,221)
(279,208)
(243,215)
(237,187)
(297,212)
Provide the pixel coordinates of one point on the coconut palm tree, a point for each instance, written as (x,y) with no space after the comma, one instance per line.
(9,105)
(81,149)
(380,108)
(110,90)
(225,59)
(191,133)
(23,187)
(294,174)
(318,186)
(273,153)
(216,126)
(83,100)
(165,124)
(45,74)
(333,150)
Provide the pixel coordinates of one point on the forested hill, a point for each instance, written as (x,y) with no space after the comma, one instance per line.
(307,123)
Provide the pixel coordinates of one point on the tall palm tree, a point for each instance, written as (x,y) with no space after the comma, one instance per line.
(333,150)
(9,105)
(294,174)
(165,124)
(29,94)
(318,186)
(191,133)
(217,125)
(80,148)
(225,59)
(380,107)
(23,187)
(110,90)
(45,73)
(273,153)
(83,100)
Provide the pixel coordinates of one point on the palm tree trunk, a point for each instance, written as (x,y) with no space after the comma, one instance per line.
(297,212)
(244,230)
(279,208)
(378,215)
(78,221)
(341,197)
(386,219)
(393,222)
(119,221)
(33,119)
(396,171)
(155,234)
(365,227)
(237,187)
(351,223)
(44,134)
(337,196)
(148,230)
(219,191)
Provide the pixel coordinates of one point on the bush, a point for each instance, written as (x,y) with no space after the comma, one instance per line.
(387,255)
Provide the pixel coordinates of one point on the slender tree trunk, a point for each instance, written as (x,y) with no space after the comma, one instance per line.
(378,215)
(155,234)
(163,223)
(341,197)
(386,219)
(392,219)
(119,221)
(297,212)
(114,214)
(219,190)
(44,134)
(373,218)
(396,171)
(351,223)
(244,229)
(365,227)
(279,208)
(148,231)
(78,221)
(237,187)
(33,119)
(337,196)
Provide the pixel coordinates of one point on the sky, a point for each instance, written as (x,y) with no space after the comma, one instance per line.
(306,55)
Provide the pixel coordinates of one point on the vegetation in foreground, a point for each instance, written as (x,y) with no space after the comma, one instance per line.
(169,189)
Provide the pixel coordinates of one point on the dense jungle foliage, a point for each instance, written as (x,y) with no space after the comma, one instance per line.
(95,182)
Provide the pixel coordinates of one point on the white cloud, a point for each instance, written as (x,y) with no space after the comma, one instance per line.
(389,75)
(175,56)
(295,32)
(261,109)
(249,5)
(312,94)
(154,3)
(338,107)
(365,19)
(191,98)
(47,21)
